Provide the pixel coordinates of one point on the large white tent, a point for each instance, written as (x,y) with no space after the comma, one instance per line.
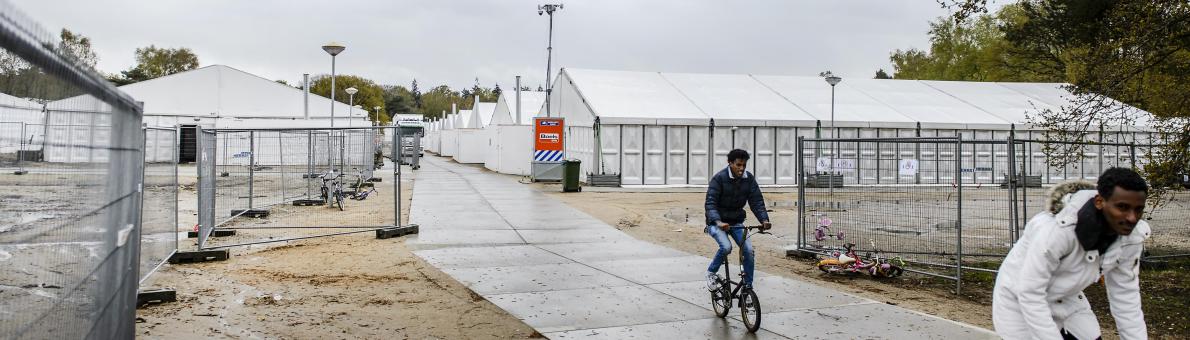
(20,122)
(674,129)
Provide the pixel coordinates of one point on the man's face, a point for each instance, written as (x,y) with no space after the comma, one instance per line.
(1123,209)
(737,167)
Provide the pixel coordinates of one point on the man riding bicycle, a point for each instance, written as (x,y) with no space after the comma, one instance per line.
(727,193)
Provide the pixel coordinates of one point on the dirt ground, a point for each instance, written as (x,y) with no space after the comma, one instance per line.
(675,219)
(341,287)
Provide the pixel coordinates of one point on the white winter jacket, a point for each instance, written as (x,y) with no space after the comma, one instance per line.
(1039,286)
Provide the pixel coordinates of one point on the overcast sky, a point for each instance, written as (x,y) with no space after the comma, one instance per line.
(453,42)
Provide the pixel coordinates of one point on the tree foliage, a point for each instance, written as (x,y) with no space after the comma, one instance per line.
(368,97)
(1121,59)
(21,79)
(154,62)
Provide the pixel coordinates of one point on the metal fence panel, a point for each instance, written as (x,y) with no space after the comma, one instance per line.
(267,185)
(69,232)
(159,217)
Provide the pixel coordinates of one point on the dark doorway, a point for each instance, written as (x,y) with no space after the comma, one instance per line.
(189,145)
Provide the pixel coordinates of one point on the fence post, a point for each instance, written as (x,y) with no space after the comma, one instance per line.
(1014,233)
(397,157)
(251,166)
(801,193)
(959,217)
(281,159)
(1132,153)
(309,162)
(21,149)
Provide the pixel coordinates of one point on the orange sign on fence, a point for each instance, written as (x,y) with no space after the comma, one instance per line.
(547,140)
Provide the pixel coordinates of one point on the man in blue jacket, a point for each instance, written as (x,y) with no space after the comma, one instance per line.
(727,193)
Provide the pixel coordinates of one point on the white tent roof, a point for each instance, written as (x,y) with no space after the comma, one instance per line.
(1056,97)
(924,104)
(7,100)
(852,107)
(463,119)
(623,97)
(225,91)
(483,114)
(531,102)
(733,99)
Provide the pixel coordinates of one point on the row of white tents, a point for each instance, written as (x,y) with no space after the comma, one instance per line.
(492,134)
(654,128)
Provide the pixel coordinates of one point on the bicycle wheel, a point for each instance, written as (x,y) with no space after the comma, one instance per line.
(325,197)
(750,310)
(339,200)
(721,300)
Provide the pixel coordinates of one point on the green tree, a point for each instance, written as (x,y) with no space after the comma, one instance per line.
(153,62)
(21,79)
(439,99)
(974,50)
(398,100)
(369,96)
(880,74)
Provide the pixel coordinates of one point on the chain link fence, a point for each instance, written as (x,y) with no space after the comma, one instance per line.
(946,205)
(272,185)
(69,230)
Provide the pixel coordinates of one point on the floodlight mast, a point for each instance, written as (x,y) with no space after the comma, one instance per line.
(833,80)
(549,9)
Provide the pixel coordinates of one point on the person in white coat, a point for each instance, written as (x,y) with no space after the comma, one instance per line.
(1086,235)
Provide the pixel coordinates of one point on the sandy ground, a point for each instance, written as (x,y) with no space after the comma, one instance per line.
(342,287)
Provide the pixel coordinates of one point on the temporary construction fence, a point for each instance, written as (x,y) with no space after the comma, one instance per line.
(69,232)
(267,185)
(944,205)
(159,212)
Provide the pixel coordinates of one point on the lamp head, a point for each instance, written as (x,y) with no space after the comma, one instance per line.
(351,90)
(333,48)
(833,80)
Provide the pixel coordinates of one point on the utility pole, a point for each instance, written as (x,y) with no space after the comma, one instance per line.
(549,9)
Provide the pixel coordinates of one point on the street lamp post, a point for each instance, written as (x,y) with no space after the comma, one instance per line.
(833,80)
(351,102)
(333,48)
(376,119)
(549,86)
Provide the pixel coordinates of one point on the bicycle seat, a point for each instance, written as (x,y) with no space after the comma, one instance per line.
(846,259)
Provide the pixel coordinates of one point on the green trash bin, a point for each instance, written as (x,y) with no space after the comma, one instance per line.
(570,172)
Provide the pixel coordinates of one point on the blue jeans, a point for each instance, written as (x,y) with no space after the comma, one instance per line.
(737,232)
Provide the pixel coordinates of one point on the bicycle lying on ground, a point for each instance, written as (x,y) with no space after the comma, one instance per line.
(748,303)
(848,262)
(361,181)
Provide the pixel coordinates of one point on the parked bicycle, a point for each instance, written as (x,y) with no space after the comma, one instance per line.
(748,303)
(332,189)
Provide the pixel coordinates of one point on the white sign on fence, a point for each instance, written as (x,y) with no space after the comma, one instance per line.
(908,167)
(840,165)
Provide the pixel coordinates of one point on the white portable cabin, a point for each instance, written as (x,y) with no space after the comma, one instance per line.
(472,141)
(511,150)
(675,129)
(450,134)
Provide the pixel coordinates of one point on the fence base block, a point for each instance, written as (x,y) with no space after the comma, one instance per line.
(200,256)
(391,232)
(20,172)
(375,179)
(254,213)
(1154,264)
(154,297)
(214,233)
(311,175)
(308,203)
(794,252)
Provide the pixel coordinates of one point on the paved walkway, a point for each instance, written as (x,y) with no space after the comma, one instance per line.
(569,275)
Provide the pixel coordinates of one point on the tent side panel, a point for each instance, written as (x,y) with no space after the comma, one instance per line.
(765,156)
(677,154)
(700,150)
(610,147)
(786,147)
(633,155)
(654,143)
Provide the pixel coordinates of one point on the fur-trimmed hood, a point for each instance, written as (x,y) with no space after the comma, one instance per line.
(1057,196)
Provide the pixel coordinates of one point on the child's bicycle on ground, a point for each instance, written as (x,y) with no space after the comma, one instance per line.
(748,303)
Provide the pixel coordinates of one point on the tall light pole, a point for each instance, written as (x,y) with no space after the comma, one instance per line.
(549,9)
(376,119)
(351,102)
(333,48)
(833,80)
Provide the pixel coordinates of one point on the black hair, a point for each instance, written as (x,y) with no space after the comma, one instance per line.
(1120,177)
(737,154)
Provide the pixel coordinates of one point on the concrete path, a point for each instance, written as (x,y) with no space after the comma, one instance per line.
(571,276)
